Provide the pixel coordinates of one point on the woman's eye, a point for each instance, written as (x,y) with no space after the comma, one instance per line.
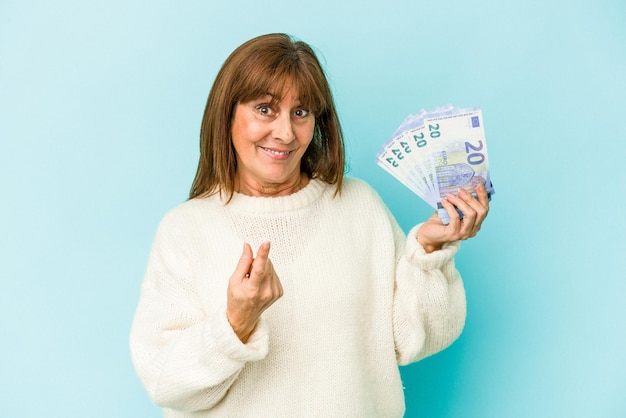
(302,113)
(264,110)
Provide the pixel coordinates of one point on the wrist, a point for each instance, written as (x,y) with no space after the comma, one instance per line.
(242,330)
(427,245)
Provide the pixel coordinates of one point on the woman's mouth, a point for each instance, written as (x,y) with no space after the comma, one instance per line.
(276,153)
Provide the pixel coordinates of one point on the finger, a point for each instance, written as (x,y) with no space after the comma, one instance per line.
(259,264)
(277,286)
(469,214)
(263,251)
(483,198)
(244,263)
(455,220)
(461,203)
(480,204)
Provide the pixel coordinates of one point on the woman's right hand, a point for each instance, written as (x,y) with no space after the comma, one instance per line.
(253,287)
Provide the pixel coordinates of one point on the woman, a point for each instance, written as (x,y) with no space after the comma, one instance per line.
(318,324)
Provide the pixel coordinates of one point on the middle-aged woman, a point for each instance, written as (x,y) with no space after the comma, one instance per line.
(317,325)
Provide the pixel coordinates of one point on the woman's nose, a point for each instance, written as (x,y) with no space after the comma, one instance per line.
(283,129)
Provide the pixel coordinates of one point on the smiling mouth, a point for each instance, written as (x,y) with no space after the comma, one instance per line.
(275,152)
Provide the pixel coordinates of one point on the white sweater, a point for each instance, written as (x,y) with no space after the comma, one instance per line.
(359,299)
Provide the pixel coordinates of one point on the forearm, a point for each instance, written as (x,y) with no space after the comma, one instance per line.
(191,369)
(429,301)
(443,308)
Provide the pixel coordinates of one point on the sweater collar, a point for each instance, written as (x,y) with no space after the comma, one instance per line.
(304,197)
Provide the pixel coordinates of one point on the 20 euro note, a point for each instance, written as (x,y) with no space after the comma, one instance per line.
(406,155)
(460,159)
(433,153)
(400,157)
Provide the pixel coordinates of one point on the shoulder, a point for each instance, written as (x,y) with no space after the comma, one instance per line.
(353,184)
(189,213)
(360,197)
(360,204)
(355,188)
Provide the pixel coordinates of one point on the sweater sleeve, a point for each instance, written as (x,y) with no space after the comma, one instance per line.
(185,354)
(429,304)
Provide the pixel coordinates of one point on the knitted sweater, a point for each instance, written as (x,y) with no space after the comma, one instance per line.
(360,298)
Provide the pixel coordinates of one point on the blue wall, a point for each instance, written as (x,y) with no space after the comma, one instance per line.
(100,108)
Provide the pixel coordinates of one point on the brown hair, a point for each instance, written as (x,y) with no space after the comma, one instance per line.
(261,65)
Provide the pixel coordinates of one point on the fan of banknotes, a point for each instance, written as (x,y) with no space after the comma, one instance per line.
(437,152)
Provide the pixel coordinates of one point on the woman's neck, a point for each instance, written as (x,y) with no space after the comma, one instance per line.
(252,188)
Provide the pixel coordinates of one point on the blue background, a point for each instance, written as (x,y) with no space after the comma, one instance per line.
(100,109)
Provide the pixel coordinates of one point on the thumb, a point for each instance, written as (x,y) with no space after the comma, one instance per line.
(245,262)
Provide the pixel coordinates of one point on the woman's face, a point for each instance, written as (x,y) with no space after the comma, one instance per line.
(269,142)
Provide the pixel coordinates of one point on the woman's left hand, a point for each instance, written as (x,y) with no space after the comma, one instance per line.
(434,234)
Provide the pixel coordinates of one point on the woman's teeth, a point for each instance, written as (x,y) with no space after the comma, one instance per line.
(276,152)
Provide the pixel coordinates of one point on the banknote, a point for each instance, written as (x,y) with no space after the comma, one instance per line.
(438,152)
(460,160)
(400,157)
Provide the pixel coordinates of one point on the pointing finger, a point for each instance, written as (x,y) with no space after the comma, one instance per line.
(245,262)
(260,263)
